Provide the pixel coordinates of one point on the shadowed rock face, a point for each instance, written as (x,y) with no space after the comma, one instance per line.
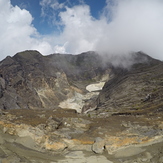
(138,88)
(32,81)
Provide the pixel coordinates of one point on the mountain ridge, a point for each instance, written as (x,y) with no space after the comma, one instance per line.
(137,88)
(39,81)
(31,80)
(121,106)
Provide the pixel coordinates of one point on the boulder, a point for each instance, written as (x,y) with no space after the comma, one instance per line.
(99,145)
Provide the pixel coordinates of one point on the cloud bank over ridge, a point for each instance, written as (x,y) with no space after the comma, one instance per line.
(122,27)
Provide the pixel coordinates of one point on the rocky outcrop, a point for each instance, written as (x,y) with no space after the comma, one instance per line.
(98,146)
(135,90)
(63,135)
(29,80)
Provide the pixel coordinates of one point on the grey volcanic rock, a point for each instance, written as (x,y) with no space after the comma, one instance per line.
(124,123)
(134,91)
(98,146)
(32,81)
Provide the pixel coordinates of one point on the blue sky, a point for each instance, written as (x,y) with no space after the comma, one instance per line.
(34,8)
(44,24)
(112,27)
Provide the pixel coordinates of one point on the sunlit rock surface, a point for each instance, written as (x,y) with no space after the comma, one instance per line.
(65,108)
(30,80)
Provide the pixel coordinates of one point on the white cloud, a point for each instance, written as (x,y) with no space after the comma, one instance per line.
(50,10)
(79,31)
(60,49)
(134,26)
(17,32)
(124,26)
(54,4)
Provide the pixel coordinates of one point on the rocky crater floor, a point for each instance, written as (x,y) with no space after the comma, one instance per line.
(66,136)
(80,109)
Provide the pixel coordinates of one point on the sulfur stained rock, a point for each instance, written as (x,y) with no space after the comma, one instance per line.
(29,80)
(55,145)
(10,159)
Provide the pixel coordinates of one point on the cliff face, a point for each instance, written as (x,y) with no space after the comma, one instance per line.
(29,80)
(138,89)
(32,81)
